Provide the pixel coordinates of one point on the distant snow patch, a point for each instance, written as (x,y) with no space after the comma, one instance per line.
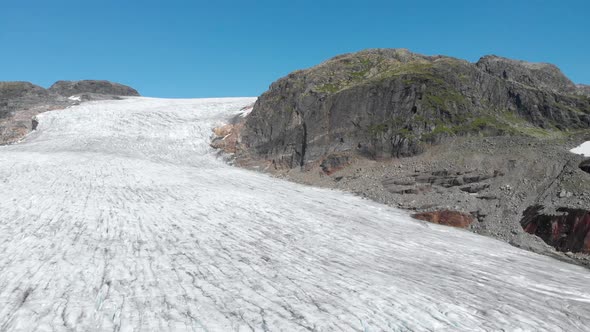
(583,149)
(75,98)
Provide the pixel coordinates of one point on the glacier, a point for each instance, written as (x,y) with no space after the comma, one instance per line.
(118,216)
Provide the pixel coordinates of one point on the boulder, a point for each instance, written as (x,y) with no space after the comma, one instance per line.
(334,163)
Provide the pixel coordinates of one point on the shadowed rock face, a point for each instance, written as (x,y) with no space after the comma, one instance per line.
(446,217)
(569,231)
(70,88)
(585,166)
(392,103)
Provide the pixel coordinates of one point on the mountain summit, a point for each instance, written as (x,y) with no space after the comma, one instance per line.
(392,103)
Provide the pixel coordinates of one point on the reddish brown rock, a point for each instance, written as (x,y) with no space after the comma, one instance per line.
(446,217)
(567,231)
(226,137)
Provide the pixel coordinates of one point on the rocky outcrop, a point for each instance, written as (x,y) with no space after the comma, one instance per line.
(21,101)
(568,230)
(585,166)
(70,88)
(20,95)
(446,217)
(543,76)
(225,137)
(393,103)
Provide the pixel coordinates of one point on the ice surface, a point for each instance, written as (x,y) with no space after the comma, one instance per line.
(245,111)
(115,215)
(583,149)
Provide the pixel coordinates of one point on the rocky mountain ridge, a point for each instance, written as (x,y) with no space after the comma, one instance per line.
(392,103)
(71,88)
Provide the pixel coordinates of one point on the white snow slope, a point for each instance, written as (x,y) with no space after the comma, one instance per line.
(583,149)
(116,215)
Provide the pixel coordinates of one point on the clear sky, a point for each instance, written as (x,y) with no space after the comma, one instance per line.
(237,48)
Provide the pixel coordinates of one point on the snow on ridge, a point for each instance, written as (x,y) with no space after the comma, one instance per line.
(245,111)
(583,149)
(116,215)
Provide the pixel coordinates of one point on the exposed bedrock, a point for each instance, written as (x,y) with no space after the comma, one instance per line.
(446,217)
(21,95)
(393,103)
(70,88)
(567,230)
(541,75)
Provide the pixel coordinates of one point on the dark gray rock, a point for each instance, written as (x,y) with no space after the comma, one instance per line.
(70,88)
(21,95)
(539,75)
(393,103)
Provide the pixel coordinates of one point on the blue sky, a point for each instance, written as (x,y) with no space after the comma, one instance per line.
(237,48)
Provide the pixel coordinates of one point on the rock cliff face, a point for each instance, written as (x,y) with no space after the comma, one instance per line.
(391,103)
(70,88)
